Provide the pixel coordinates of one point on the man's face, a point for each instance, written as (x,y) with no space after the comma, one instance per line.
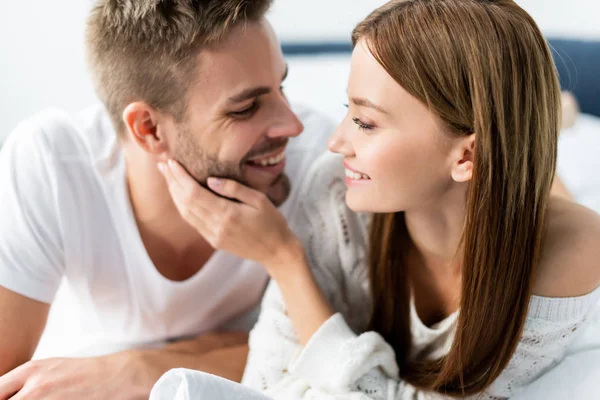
(238,119)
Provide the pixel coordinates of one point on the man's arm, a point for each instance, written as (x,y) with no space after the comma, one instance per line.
(22,322)
(228,362)
(128,375)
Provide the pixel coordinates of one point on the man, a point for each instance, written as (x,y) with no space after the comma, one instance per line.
(82,198)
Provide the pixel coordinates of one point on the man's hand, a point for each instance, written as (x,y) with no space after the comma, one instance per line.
(61,378)
(125,376)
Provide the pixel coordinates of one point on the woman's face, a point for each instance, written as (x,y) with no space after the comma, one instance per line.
(397,155)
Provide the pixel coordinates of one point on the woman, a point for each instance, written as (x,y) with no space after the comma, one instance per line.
(463,276)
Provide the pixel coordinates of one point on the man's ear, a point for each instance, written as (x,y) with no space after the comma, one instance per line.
(463,159)
(142,124)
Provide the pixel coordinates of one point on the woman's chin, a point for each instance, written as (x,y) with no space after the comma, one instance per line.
(358,204)
(369,204)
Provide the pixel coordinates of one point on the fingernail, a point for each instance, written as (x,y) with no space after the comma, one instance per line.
(171,163)
(162,168)
(214,182)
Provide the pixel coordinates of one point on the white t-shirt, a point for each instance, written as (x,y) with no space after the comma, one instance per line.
(66,214)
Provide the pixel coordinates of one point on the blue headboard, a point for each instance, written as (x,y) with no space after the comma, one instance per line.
(578,64)
(577,61)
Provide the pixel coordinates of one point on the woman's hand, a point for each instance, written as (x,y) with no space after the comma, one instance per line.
(252,228)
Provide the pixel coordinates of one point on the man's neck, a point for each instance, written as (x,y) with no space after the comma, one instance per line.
(157,218)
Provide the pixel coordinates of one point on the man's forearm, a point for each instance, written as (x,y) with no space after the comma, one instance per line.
(149,365)
(129,375)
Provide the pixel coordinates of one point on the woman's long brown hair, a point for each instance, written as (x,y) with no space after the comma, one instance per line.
(481,67)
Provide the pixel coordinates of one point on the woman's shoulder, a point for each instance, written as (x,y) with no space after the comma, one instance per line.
(570,259)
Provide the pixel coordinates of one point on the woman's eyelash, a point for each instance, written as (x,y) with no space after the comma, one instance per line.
(362,125)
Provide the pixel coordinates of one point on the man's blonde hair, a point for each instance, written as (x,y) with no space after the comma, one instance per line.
(145,50)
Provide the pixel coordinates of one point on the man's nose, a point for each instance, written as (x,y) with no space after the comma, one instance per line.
(287,124)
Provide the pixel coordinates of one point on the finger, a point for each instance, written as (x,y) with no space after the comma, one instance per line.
(193,192)
(168,174)
(186,199)
(22,395)
(235,190)
(195,218)
(13,382)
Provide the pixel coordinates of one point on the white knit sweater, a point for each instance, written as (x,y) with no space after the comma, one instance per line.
(342,361)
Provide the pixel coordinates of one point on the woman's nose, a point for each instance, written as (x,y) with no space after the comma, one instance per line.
(339,143)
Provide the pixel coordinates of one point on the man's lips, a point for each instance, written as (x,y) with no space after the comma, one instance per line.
(272,163)
(273,158)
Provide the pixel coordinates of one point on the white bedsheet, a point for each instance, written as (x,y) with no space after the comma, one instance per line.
(185,384)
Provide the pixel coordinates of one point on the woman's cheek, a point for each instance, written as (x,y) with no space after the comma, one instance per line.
(382,156)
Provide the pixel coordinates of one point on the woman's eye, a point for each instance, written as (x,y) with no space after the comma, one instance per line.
(245,112)
(362,125)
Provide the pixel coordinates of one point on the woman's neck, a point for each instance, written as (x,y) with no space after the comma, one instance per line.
(433,260)
(436,232)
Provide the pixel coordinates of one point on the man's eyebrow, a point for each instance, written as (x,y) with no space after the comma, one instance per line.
(255,92)
(250,94)
(359,101)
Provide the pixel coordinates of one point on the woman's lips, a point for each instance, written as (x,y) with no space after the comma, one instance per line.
(355,175)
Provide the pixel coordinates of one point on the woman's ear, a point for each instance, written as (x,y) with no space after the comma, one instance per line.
(142,124)
(463,160)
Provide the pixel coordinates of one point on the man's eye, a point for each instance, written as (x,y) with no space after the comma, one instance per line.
(245,112)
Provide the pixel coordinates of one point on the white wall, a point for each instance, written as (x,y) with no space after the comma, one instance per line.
(42,65)
(41,43)
(315,19)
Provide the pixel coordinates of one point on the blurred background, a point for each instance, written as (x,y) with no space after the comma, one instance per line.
(41,45)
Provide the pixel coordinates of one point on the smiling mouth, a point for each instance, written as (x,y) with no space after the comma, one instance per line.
(356,176)
(268,160)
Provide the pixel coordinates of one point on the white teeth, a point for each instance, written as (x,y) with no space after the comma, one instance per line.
(356,176)
(271,160)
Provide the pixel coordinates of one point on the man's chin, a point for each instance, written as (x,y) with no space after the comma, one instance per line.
(279,191)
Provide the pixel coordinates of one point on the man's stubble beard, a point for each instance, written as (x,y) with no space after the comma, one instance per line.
(201,166)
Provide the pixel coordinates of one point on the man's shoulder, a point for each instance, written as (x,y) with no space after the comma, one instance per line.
(55,134)
(47,154)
